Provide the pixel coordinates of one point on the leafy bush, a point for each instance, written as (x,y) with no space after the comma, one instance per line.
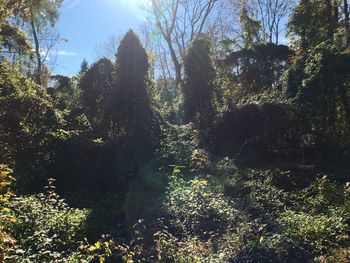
(178,144)
(319,232)
(6,213)
(269,131)
(197,209)
(190,249)
(46,229)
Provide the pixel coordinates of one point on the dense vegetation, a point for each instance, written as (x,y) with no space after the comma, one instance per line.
(242,156)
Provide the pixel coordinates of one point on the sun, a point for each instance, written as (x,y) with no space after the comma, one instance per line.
(137,7)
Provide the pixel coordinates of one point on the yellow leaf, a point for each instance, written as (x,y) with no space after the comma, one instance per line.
(3,184)
(204,182)
(4,173)
(6,210)
(261,239)
(92,248)
(98,245)
(13,219)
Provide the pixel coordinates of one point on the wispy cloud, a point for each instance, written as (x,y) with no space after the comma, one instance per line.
(66,53)
(63,53)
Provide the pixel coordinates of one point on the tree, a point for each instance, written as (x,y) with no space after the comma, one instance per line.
(132,77)
(346,21)
(97,86)
(84,66)
(272,15)
(319,78)
(39,20)
(13,40)
(251,28)
(313,21)
(27,116)
(198,88)
(66,91)
(108,48)
(133,111)
(258,67)
(178,23)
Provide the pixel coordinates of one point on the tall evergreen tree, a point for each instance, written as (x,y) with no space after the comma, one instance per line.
(96,86)
(84,66)
(133,110)
(198,87)
(132,77)
(251,28)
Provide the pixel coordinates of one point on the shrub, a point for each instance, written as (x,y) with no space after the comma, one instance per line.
(6,213)
(196,208)
(269,130)
(46,229)
(316,232)
(178,144)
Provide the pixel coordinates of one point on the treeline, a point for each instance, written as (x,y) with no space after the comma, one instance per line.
(269,101)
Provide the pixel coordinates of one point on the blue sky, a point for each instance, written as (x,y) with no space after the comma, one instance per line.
(88,23)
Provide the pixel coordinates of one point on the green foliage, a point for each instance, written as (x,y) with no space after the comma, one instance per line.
(313,21)
(251,27)
(84,66)
(317,76)
(100,135)
(12,38)
(203,212)
(317,231)
(97,88)
(178,144)
(258,67)
(46,229)
(104,250)
(319,82)
(134,114)
(66,91)
(132,77)
(260,131)
(7,216)
(199,87)
(27,115)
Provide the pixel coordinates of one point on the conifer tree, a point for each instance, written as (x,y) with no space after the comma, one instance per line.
(250,27)
(133,110)
(96,86)
(132,76)
(84,66)
(198,87)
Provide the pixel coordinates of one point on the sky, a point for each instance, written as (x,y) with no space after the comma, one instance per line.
(88,23)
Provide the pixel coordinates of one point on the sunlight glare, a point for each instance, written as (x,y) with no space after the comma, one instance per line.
(136,6)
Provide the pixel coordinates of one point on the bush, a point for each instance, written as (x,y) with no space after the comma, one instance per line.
(316,232)
(178,144)
(196,208)
(46,229)
(266,131)
(6,214)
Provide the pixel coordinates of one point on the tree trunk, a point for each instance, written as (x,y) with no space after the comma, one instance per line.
(177,65)
(346,22)
(329,19)
(37,54)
